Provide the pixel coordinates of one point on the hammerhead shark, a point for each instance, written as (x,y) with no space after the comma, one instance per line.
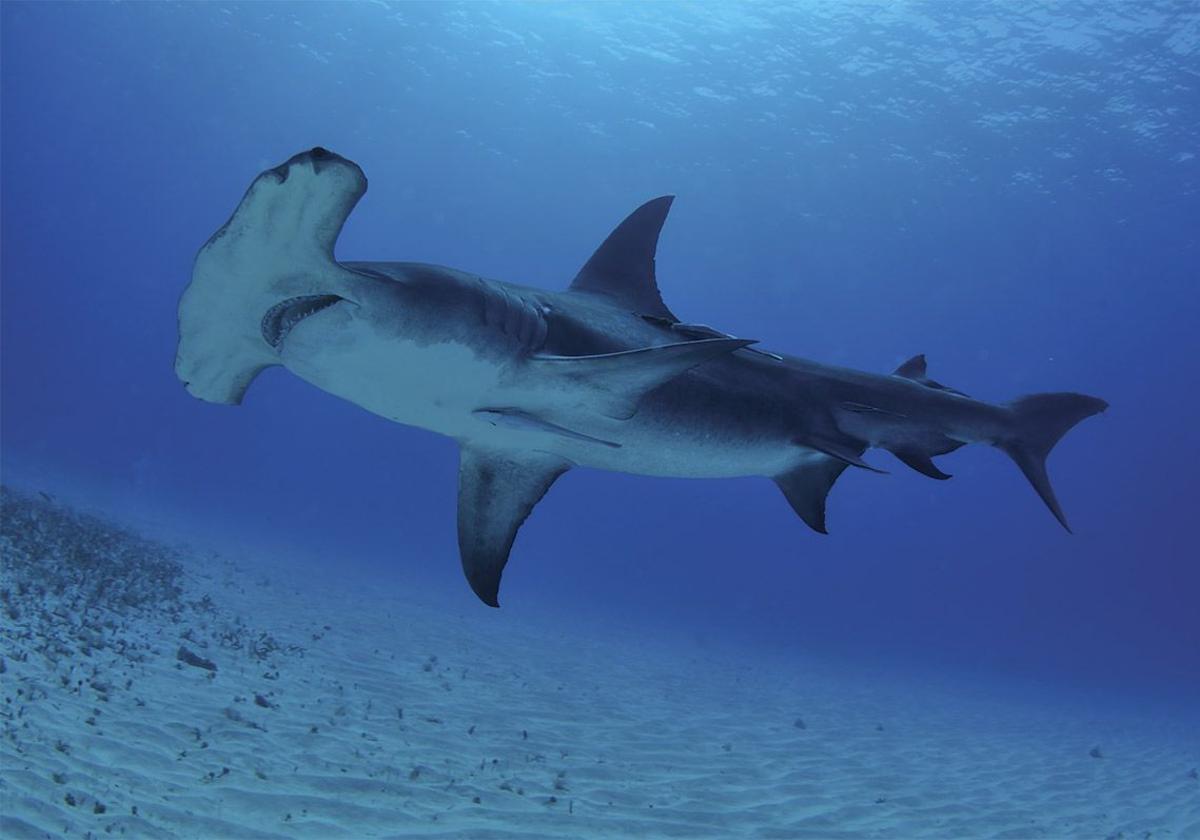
(533,382)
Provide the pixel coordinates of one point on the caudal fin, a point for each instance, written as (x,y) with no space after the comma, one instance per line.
(1040,421)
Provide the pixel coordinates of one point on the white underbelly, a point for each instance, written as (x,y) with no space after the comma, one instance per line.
(442,387)
(686,456)
(434,387)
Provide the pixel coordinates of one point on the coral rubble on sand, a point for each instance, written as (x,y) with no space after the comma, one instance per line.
(89,612)
(135,701)
(68,580)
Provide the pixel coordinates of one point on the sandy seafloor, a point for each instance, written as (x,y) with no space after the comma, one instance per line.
(349,708)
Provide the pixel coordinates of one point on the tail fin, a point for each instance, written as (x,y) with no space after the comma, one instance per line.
(1040,421)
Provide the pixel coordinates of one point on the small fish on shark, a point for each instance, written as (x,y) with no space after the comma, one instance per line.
(533,382)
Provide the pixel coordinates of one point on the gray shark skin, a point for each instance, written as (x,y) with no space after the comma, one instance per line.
(533,382)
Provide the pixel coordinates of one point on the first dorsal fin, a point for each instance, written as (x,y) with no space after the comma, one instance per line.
(914,368)
(623,267)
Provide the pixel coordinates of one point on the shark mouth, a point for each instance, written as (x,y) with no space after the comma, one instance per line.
(284,316)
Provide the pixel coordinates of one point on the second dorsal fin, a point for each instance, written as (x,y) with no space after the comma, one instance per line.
(914,368)
(623,267)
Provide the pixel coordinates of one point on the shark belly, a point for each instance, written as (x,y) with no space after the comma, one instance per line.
(695,426)
(654,444)
(686,429)
(435,387)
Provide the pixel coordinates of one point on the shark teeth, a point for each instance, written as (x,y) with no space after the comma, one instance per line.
(283,316)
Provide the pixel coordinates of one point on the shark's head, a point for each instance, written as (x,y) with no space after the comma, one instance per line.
(268,273)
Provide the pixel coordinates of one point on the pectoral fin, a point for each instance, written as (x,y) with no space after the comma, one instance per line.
(806,487)
(497,489)
(614,383)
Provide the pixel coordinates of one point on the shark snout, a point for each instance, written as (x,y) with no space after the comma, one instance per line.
(236,312)
(315,159)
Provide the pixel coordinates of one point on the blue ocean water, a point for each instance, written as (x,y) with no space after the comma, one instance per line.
(1010,188)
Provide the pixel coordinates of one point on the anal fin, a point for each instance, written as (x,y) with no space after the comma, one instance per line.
(920,462)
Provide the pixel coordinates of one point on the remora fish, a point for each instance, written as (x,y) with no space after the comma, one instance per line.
(533,382)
